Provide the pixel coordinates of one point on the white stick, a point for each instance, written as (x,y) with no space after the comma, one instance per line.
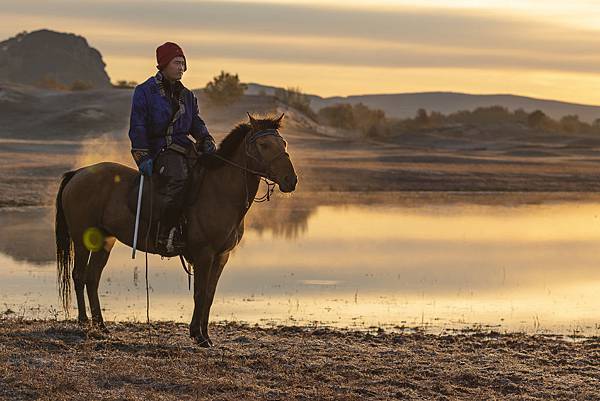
(137,216)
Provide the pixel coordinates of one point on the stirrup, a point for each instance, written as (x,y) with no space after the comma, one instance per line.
(171,246)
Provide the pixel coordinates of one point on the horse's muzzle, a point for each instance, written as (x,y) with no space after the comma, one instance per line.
(288,184)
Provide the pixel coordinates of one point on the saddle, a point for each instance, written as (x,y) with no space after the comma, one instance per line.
(150,207)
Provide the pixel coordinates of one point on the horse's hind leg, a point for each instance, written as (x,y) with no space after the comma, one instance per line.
(79,278)
(94,271)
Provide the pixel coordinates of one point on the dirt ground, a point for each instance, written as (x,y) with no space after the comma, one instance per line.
(46,360)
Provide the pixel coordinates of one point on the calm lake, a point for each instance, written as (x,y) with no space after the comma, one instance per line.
(443,266)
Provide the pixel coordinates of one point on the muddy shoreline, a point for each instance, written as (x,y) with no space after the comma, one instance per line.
(59,360)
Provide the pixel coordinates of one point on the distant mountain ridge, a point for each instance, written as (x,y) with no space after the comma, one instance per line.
(29,58)
(404,105)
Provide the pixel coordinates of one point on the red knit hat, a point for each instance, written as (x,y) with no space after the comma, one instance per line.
(167,52)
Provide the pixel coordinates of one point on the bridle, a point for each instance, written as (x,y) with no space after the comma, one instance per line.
(263,175)
(260,134)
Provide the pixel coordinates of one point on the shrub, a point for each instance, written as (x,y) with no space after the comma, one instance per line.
(123,84)
(224,89)
(294,97)
(370,122)
(570,123)
(337,115)
(536,119)
(492,115)
(48,82)
(79,85)
(422,119)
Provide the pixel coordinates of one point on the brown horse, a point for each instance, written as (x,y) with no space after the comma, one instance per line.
(96,197)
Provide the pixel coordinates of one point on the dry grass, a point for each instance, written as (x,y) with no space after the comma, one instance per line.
(59,361)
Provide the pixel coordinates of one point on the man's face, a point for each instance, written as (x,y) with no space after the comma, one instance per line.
(174,70)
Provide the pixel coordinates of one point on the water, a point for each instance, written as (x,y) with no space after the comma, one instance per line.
(437,265)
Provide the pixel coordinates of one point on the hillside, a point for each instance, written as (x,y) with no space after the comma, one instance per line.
(27,112)
(403,105)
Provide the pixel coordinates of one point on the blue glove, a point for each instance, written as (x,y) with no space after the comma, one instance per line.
(208,146)
(146,167)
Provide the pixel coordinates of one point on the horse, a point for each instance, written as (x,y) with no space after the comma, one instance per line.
(224,185)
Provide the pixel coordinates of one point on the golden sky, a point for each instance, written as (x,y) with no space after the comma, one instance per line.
(547,49)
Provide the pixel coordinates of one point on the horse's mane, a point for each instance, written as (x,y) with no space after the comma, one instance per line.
(235,138)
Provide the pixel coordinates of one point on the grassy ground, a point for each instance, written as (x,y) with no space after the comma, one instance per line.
(50,360)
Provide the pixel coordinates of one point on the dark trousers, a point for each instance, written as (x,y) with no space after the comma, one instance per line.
(172,173)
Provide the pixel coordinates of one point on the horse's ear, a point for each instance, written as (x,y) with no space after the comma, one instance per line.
(252,120)
(280,118)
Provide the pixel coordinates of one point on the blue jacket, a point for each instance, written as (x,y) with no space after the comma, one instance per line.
(153,126)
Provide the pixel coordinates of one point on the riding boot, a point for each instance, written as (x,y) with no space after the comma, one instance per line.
(172,176)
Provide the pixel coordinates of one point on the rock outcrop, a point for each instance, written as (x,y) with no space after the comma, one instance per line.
(52,58)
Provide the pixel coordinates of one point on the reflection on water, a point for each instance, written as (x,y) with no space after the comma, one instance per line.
(530,267)
(27,235)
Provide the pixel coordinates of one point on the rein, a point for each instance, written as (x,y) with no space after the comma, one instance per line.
(270,185)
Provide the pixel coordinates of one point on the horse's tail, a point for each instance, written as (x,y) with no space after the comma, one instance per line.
(64,246)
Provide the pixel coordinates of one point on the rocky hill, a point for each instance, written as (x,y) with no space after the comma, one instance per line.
(63,58)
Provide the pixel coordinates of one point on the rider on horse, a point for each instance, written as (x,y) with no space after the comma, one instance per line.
(165,126)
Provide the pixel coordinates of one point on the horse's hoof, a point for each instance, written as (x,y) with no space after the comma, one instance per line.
(83,321)
(202,342)
(209,341)
(102,327)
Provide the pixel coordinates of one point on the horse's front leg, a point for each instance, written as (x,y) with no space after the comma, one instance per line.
(215,272)
(202,261)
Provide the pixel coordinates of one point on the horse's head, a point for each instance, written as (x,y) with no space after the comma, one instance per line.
(268,150)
